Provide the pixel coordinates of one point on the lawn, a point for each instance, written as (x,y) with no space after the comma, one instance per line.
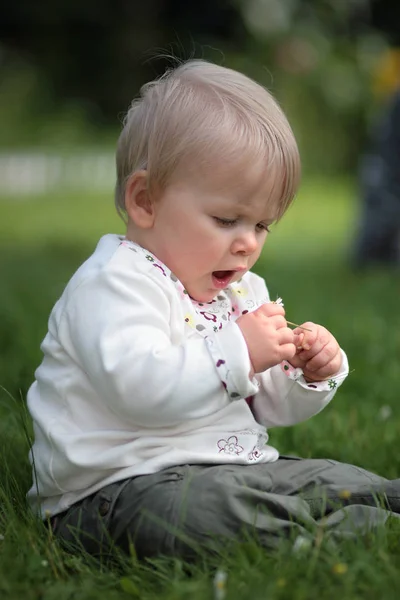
(43,240)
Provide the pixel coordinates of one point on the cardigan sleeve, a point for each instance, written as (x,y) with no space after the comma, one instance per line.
(284,397)
(288,399)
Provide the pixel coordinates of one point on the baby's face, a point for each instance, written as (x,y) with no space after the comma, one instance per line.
(210,234)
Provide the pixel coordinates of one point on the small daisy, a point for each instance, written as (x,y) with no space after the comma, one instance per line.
(220,584)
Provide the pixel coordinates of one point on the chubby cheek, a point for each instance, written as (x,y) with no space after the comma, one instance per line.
(254,257)
(191,238)
(187,262)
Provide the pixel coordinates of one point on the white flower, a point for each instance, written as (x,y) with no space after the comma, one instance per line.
(279,301)
(301,545)
(385,412)
(220,584)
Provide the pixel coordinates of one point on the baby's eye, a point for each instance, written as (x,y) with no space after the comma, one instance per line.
(263,227)
(225,222)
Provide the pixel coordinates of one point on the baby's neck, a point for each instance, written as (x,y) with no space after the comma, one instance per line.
(134,234)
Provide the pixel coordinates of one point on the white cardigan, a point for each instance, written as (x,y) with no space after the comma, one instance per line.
(137,377)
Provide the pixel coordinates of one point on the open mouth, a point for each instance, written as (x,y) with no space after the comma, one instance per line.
(221,279)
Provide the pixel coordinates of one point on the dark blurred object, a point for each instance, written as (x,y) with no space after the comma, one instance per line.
(385,16)
(378,238)
(379,15)
(99,52)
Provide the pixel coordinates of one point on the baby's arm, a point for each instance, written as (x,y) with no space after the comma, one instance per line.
(117,329)
(286,396)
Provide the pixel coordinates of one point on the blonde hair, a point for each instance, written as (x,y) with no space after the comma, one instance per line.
(208,114)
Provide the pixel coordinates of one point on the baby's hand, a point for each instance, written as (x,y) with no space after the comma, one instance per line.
(269,340)
(318,353)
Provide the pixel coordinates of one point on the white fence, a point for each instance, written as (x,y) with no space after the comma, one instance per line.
(28,174)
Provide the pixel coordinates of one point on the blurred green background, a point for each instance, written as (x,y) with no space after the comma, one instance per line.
(69,69)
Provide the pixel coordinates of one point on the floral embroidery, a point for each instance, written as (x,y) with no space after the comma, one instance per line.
(127,244)
(223,303)
(189,320)
(287,367)
(212,310)
(161,268)
(220,362)
(329,384)
(235,308)
(239,291)
(208,316)
(230,446)
(291,371)
(255,454)
(150,258)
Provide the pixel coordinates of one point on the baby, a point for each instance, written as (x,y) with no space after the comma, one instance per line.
(165,361)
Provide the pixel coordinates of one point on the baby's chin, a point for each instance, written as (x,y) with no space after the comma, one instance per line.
(202,297)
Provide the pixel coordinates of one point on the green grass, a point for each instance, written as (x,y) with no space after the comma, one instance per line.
(306,262)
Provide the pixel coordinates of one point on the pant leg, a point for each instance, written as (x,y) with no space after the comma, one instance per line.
(184,510)
(211,505)
(139,510)
(343,499)
(321,481)
(180,511)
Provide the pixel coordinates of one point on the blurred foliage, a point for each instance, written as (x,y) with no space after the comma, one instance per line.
(69,69)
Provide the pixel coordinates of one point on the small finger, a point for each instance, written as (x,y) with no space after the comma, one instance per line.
(322,338)
(325,372)
(280,322)
(286,336)
(322,358)
(287,351)
(296,362)
(270,309)
(298,341)
(310,333)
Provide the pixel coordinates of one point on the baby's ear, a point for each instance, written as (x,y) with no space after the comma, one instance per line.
(138,202)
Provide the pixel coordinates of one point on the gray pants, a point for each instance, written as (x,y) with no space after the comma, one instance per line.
(189,509)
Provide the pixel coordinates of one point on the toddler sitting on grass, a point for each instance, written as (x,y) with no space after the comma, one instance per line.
(165,361)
